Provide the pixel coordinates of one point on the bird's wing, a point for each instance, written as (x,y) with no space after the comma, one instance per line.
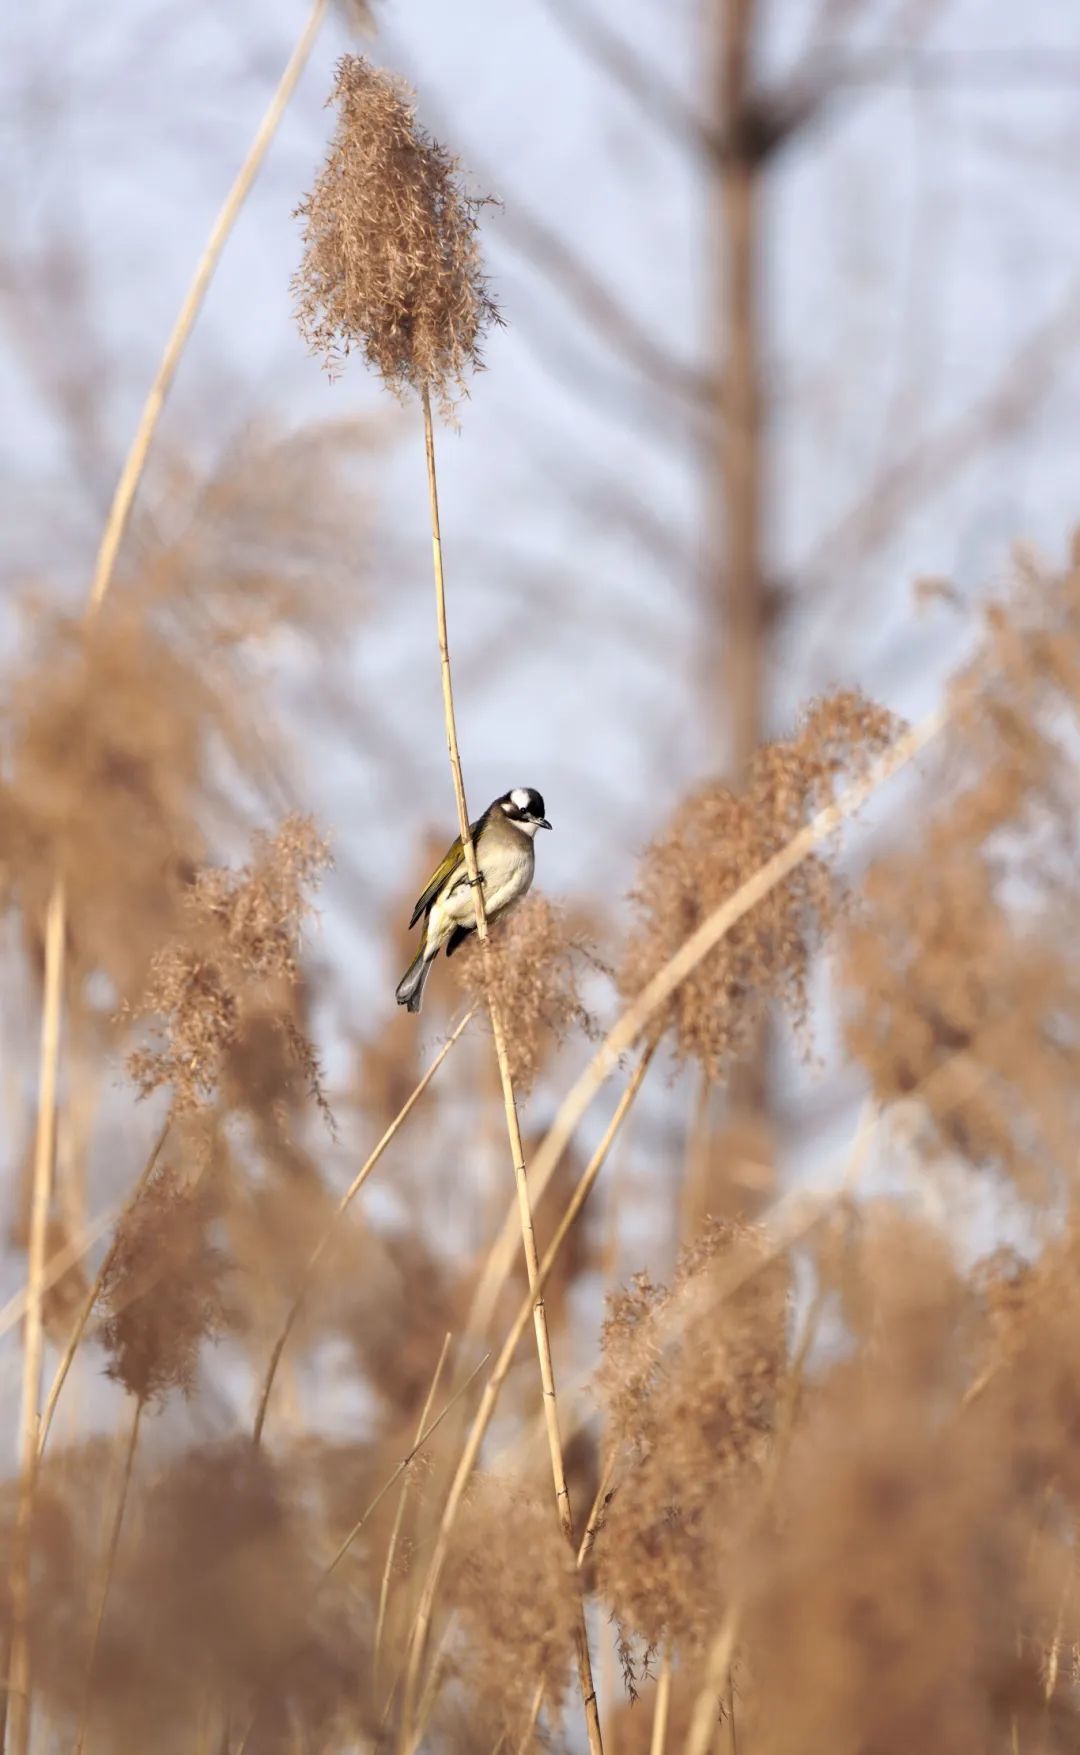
(442,873)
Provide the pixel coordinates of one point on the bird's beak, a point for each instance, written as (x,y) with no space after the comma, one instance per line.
(542,823)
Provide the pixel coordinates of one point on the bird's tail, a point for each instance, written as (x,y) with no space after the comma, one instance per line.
(410,989)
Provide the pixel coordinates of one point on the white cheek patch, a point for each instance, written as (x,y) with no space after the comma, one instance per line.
(520,797)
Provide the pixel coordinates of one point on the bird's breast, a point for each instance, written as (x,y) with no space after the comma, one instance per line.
(507,869)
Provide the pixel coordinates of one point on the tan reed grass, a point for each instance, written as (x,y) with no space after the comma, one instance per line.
(513,1126)
(399,1514)
(391,265)
(1007,1384)
(18,1720)
(661,1705)
(585,1548)
(624,1033)
(127,1466)
(425,1431)
(718,1683)
(357,1183)
(135,462)
(485,1411)
(17,1724)
(792,1219)
(78,1329)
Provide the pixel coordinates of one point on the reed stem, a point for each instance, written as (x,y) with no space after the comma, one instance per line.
(135,462)
(18,1722)
(94,1292)
(107,1575)
(513,1127)
(661,1706)
(399,1514)
(493,1387)
(346,1200)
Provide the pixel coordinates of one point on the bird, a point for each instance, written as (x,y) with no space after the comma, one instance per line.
(505,859)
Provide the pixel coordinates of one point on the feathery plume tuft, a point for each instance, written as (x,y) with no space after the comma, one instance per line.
(106,736)
(689,1383)
(239,944)
(163,1291)
(391,262)
(531,970)
(511,1581)
(960,972)
(908,1524)
(716,840)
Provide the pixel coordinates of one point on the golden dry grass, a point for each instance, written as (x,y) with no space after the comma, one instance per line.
(829,1466)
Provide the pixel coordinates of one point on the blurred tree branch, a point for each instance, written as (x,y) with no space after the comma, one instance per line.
(764,119)
(932,465)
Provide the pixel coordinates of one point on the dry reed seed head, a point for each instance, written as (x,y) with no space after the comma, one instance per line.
(1012,707)
(106,734)
(511,1580)
(382,1298)
(1030,1365)
(898,1290)
(884,1611)
(394,1315)
(731,1164)
(66,1534)
(271,1068)
(716,841)
(900,1592)
(963,993)
(215,1607)
(267,544)
(391,262)
(233,960)
(969,1010)
(689,1383)
(380,1302)
(164,1293)
(531,969)
(386,1069)
(128,739)
(273,1221)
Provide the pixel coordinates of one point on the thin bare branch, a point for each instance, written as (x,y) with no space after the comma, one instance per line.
(931,467)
